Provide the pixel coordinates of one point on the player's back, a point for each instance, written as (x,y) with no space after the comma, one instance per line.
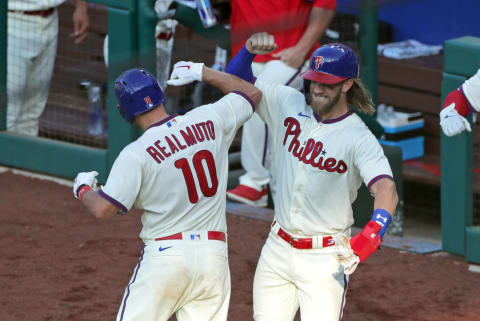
(186,162)
(177,171)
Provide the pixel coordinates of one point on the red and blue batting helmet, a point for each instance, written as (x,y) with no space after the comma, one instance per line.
(137,92)
(330,64)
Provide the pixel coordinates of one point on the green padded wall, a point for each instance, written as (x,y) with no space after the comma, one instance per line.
(456,187)
(462,56)
(3,64)
(461,60)
(473,244)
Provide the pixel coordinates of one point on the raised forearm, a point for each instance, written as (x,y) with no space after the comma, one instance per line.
(385,194)
(227,83)
(97,205)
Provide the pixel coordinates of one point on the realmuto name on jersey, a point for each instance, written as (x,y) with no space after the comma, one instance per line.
(309,154)
(181,139)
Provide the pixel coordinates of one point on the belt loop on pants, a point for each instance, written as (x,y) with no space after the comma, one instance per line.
(42,13)
(211,235)
(303,243)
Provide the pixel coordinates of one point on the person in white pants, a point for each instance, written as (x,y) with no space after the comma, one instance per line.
(32,28)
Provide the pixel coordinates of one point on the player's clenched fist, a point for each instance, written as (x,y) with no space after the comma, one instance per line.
(185,72)
(261,43)
(84,179)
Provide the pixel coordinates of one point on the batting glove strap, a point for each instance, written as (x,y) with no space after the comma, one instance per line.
(383,218)
(84,178)
(367,241)
(82,190)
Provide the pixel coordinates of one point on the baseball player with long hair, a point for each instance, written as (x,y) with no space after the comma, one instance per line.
(323,152)
(176,173)
(460,103)
(297,25)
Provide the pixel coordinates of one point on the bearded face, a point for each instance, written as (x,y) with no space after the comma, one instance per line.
(324,97)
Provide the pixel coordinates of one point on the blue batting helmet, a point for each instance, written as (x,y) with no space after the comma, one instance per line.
(331,64)
(137,92)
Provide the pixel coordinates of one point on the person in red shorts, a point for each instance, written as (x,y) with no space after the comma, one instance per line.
(297,25)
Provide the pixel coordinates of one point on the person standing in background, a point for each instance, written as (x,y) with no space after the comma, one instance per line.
(297,26)
(32,28)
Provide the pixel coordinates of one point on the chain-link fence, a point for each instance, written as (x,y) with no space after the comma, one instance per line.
(46,70)
(70,104)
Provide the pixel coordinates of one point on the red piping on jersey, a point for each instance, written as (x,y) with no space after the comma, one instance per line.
(469,106)
(333,120)
(113,201)
(292,78)
(244,95)
(163,121)
(377,178)
(133,281)
(265,145)
(345,288)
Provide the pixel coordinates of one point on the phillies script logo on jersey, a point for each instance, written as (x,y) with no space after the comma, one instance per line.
(318,61)
(311,151)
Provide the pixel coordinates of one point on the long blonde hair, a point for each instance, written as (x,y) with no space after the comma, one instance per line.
(359,97)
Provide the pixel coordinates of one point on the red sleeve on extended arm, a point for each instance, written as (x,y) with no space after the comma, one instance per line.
(326,4)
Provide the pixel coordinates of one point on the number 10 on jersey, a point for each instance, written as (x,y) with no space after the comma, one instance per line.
(199,157)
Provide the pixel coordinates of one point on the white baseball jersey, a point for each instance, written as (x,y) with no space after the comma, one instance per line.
(320,164)
(256,154)
(471,89)
(176,172)
(33,5)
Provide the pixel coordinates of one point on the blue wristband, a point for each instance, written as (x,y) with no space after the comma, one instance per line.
(382,218)
(241,65)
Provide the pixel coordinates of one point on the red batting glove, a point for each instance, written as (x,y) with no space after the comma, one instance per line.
(367,241)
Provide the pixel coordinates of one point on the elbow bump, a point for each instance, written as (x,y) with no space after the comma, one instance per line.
(257,96)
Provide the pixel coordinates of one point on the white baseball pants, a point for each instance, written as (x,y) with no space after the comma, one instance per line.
(32,46)
(256,154)
(288,278)
(188,278)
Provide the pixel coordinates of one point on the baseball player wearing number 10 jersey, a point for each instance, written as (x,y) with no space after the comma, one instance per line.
(176,173)
(323,152)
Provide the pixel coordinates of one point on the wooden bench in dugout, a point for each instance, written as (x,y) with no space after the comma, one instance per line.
(414,85)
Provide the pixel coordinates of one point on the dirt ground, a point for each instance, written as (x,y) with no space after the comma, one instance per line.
(58,263)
